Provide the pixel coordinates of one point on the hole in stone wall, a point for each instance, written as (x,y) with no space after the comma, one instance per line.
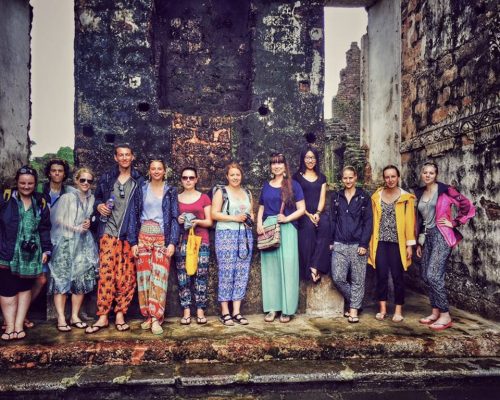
(143,107)
(110,137)
(263,110)
(88,131)
(310,137)
(304,86)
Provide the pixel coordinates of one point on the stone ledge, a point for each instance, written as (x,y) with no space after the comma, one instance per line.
(186,376)
(305,338)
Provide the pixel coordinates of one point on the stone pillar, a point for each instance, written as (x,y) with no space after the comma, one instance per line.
(323,299)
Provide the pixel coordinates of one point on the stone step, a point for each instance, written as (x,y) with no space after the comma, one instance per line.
(170,379)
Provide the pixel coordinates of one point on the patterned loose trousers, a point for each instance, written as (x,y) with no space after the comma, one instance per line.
(234,253)
(153,268)
(433,268)
(345,258)
(116,275)
(200,278)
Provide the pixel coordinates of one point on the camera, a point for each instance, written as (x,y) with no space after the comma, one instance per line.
(248,220)
(29,246)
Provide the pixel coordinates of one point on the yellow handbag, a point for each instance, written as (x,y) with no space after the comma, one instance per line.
(192,249)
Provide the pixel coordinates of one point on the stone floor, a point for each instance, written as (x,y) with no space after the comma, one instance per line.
(308,349)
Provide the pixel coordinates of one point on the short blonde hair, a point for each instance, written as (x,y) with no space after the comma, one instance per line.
(83,170)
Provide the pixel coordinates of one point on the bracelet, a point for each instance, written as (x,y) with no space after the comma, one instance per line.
(318,212)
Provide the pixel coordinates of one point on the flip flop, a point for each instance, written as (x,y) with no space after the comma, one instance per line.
(427,320)
(380,316)
(353,320)
(285,318)
(185,320)
(6,337)
(440,327)
(270,316)
(201,320)
(122,327)
(64,328)
(94,330)
(23,333)
(397,318)
(79,324)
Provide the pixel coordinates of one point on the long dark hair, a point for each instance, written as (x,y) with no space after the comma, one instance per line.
(286,184)
(302,164)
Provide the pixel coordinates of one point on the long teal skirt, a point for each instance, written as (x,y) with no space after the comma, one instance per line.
(280,272)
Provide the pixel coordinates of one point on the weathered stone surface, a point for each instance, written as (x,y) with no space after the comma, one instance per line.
(160,76)
(342,131)
(15,107)
(455,119)
(304,338)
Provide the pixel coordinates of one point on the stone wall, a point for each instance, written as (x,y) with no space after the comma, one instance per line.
(451,114)
(198,83)
(342,131)
(15,25)
(381,89)
(158,75)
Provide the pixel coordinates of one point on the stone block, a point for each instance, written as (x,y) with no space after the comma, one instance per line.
(323,299)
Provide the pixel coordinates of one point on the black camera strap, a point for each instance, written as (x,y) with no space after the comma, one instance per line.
(247,241)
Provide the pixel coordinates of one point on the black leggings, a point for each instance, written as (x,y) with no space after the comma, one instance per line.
(388,259)
(10,285)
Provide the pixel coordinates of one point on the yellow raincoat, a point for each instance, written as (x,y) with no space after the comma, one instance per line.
(405,225)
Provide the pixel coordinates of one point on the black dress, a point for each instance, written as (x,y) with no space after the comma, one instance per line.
(314,242)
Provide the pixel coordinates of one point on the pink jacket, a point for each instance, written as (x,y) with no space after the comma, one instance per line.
(447,197)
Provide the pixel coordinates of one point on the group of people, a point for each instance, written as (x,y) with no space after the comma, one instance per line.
(126,233)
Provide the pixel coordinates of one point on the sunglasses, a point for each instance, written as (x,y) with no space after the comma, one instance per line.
(188,178)
(27,171)
(121,189)
(83,180)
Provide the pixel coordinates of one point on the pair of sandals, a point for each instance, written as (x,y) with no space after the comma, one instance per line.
(395,318)
(123,327)
(227,320)
(156,329)
(67,328)
(7,337)
(271,316)
(199,320)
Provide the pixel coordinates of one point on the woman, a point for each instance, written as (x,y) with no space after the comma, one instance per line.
(158,237)
(281,201)
(352,225)
(197,205)
(24,246)
(232,208)
(314,230)
(437,236)
(75,256)
(392,239)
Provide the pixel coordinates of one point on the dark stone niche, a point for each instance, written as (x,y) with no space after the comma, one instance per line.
(205,60)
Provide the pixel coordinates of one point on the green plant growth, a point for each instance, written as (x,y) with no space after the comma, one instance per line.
(65,153)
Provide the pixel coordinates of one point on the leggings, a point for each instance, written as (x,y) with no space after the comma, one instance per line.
(388,259)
